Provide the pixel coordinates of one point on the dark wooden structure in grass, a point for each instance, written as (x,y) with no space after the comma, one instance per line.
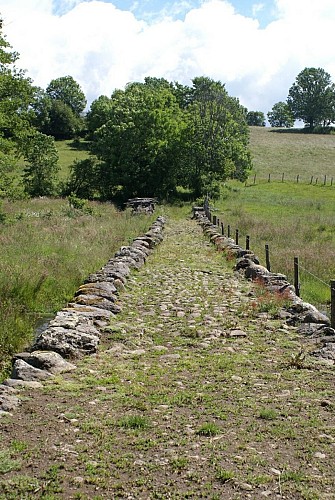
(142,205)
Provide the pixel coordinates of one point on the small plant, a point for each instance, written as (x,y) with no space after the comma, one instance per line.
(268,414)
(297,360)
(179,463)
(134,422)
(208,429)
(7,464)
(224,476)
(80,204)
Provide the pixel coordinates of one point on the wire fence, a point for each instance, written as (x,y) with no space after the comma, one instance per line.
(226,230)
(320,180)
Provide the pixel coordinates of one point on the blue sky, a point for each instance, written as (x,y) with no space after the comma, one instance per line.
(256,48)
(149,10)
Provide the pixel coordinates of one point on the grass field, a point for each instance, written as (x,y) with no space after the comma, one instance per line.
(295,219)
(70,151)
(47,250)
(278,151)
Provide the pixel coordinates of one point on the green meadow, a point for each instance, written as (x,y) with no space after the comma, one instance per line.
(296,219)
(48,248)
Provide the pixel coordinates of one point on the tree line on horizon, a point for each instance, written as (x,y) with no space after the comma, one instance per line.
(148,139)
(310,99)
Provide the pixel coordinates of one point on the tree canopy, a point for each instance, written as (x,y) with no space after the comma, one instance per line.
(312,97)
(58,109)
(281,115)
(155,136)
(256,118)
(67,90)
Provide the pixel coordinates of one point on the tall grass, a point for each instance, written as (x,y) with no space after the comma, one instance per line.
(295,221)
(293,153)
(46,253)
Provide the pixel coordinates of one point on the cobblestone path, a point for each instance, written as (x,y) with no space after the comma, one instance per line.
(192,395)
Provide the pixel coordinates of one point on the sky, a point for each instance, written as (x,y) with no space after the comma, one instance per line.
(256,48)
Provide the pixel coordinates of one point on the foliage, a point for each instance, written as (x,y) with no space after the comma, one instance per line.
(16,97)
(214,141)
(155,136)
(41,156)
(84,178)
(281,115)
(256,118)
(98,114)
(67,90)
(312,97)
(55,117)
(137,144)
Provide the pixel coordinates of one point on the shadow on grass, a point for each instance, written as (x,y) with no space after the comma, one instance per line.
(80,145)
(304,130)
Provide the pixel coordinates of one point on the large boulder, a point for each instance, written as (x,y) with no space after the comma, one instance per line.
(50,361)
(68,343)
(24,371)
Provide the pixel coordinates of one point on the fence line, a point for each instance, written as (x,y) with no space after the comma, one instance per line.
(297,266)
(273,177)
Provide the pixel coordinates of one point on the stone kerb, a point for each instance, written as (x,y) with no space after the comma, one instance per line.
(75,331)
(305,316)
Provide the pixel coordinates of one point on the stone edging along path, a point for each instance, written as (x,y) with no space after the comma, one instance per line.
(76,330)
(305,316)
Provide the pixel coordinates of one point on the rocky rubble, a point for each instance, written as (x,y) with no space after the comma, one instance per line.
(298,313)
(75,331)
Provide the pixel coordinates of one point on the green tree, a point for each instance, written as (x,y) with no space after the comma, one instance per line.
(41,157)
(256,118)
(214,144)
(16,98)
(85,177)
(312,97)
(138,142)
(55,117)
(98,113)
(281,115)
(67,90)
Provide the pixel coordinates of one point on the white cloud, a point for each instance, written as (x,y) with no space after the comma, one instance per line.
(256,8)
(104,48)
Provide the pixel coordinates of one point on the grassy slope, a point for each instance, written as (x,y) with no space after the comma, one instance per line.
(69,152)
(294,219)
(277,152)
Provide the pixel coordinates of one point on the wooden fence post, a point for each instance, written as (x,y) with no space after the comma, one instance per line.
(296,276)
(228,229)
(247,242)
(269,178)
(222,228)
(236,237)
(255,179)
(214,220)
(218,221)
(332,312)
(312,179)
(282,178)
(267,257)
(331,181)
(325,180)
(297,178)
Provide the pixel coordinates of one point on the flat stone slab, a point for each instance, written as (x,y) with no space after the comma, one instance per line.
(46,360)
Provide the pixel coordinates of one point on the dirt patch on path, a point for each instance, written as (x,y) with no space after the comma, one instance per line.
(195,393)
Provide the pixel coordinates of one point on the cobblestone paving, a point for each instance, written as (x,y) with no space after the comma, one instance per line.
(190,396)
